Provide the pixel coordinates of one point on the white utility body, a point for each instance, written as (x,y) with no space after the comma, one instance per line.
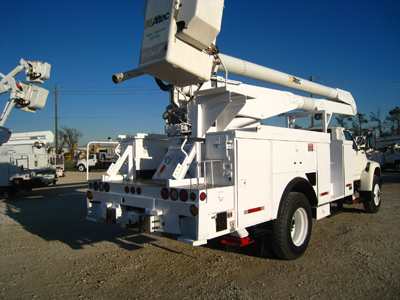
(217,172)
(26,162)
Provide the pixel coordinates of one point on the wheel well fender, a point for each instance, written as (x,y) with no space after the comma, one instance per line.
(367,177)
(302,186)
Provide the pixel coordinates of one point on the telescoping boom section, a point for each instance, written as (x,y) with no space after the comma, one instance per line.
(217,172)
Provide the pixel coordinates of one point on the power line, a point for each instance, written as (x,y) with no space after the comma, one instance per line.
(361,82)
(105,94)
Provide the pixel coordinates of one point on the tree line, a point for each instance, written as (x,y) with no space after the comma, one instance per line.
(378,123)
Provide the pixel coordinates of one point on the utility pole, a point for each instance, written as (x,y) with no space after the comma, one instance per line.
(56,118)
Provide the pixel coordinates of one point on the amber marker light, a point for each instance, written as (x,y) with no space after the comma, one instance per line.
(194,210)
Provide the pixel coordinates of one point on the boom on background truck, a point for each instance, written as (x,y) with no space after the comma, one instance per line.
(24,160)
(217,172)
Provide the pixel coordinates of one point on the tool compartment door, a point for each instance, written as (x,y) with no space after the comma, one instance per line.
(254,193)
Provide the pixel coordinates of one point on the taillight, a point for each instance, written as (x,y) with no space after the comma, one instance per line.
(90,185)
(107,187)
(193,196)
(174,194)
(164,193)
(132,190)
(139,191)
(183,195)
(95,186)
(101,186)
(127,189)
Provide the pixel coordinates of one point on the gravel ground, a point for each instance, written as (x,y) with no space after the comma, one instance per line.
(49,250)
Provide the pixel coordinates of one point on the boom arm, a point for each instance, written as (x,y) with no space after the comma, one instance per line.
(25,96)
(253,71)
(178,47)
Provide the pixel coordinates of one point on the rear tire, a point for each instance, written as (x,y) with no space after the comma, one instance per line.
(373,199)
(292,229)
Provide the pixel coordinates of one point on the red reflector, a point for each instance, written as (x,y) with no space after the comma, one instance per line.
(324,194)
(203,196)
(348,185)
(162,169)
(253,210)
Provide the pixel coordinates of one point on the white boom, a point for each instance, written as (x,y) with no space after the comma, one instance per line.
(25,96)
(253,71)
(178,47)
(43,137)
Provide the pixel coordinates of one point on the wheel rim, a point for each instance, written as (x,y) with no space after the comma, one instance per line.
(377,194)
(299,226)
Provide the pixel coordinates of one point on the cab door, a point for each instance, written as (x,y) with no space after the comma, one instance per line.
(359,157)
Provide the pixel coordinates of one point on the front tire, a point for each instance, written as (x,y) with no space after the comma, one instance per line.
(292,229)
(81,168)
(373,199)
(397,167)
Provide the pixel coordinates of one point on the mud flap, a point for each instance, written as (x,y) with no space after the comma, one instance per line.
(145,223)
(111,215)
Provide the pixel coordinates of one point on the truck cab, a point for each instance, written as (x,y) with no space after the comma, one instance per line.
(392,157)
(84,163)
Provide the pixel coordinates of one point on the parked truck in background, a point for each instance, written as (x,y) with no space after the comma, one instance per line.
(98,160)
(388,157)
(218,172)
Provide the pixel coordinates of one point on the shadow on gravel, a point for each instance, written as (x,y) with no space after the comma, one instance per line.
(390,177)
(58,213)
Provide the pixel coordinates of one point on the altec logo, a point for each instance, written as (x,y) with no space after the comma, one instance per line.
(294,79)
(156,20)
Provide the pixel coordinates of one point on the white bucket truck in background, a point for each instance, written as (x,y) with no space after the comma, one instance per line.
(217,172)
(21,159)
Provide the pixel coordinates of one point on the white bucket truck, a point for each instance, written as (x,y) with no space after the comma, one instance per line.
(218,172)
(22,155)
